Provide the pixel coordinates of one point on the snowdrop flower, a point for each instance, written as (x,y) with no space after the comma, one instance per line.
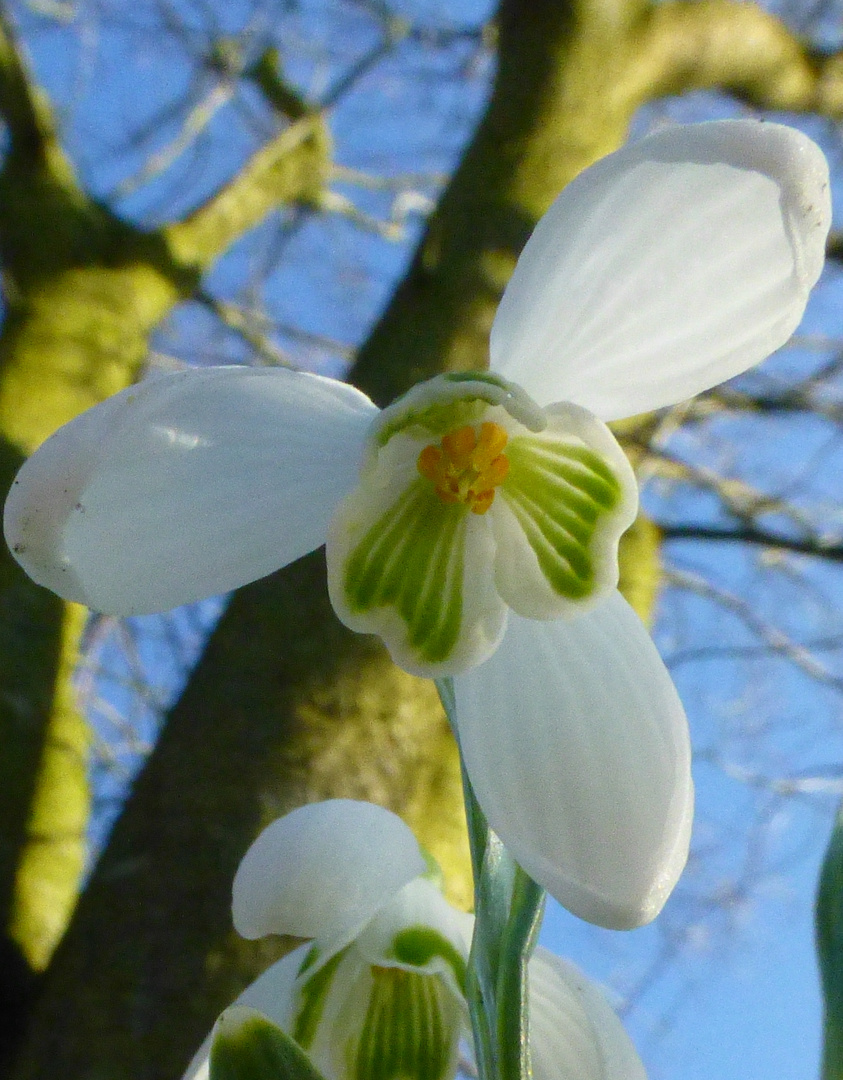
(474,524)
(378,991)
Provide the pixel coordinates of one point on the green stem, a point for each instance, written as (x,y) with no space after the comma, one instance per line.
(490,908)
(522,929)
(508,909)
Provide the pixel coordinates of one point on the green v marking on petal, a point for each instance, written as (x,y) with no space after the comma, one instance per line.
(420,944)
(560,492)
(412,560)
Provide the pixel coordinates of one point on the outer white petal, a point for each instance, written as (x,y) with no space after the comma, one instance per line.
(577,747)
(666,268)
(323,871)
(187,485)
(271,994)
(574,1034)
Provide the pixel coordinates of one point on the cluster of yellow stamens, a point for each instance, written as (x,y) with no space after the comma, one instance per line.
(467,466)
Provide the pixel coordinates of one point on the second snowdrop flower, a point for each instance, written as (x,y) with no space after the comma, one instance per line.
(377,993)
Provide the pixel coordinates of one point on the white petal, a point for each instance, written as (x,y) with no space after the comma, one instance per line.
(577,747)
(418,930)
(574,1034)
(666,268)
(187,485)
(323,871)
(271,994)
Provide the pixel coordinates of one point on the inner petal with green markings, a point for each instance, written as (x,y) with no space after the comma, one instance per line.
(559,491)
(411,1029)
(412,559)
(397,1019)
(474,500)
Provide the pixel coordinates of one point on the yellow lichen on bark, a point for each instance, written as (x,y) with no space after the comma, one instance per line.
(83,290)
(53,857)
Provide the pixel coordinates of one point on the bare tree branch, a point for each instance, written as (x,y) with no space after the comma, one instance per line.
(815,546)
(292,167)
(25,112)
(740,48)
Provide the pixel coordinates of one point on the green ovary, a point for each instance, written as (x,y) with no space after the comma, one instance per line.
(412,559)
(410,1031)
(560,493)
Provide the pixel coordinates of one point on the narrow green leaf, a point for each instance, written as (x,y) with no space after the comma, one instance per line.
(247,1046)
(830,951)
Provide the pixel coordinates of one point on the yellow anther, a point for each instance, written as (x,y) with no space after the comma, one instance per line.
(467,466)
(492,440)
(429,462)
(459,446)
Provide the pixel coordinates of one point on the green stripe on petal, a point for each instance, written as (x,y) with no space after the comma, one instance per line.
(312,997)
(411,1029)
(412,559)
(310,959)
(560,492)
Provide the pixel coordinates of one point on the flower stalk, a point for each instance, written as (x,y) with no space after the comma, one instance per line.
(509,907)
